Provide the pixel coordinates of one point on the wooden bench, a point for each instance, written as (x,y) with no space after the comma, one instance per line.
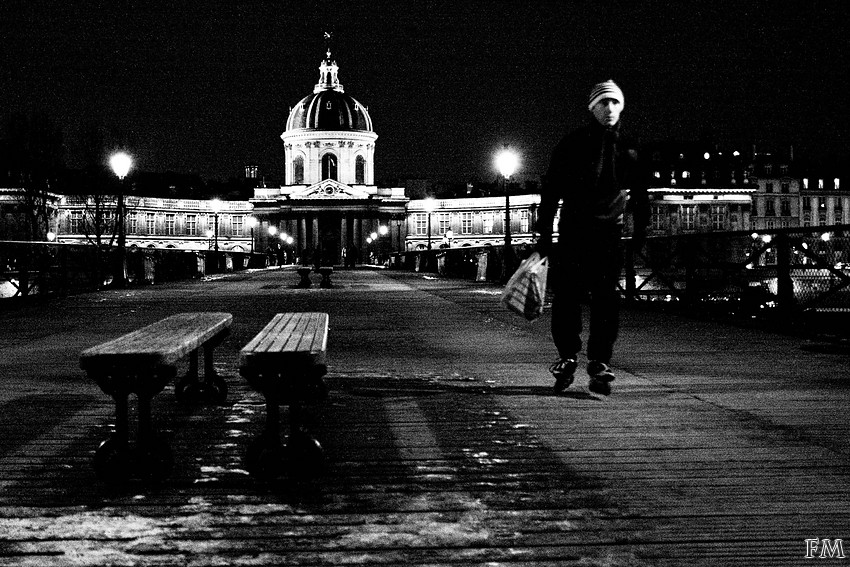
(143,362)
(285,362)
(326,272)
(304,272)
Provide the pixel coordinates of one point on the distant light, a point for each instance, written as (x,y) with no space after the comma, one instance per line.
(736,153)
(272,230)
(51,236)
(252,222)
(767,239)
(290,240)
(121,164)
(369,240)
(507,162)
(706,155)
(805,245)
(383,230)
(825,236)
(284,236)
(374,236)
(754,236)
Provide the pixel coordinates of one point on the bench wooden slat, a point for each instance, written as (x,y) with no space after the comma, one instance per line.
(161,343)
(288,337)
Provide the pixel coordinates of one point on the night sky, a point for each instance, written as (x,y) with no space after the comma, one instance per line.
(206,87)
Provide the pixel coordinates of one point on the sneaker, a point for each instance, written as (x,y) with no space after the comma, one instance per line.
(600,377)
(563,370)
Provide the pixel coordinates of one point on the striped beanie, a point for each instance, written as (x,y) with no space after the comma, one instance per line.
(608,89)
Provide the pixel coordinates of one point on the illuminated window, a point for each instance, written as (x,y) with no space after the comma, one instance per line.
(805,183)
(523,220)
(329,167)
(688,216)
(820,183)
(170,223)
(421,221)
(445,223)
(466,223)
(76,222)
(657,218)
(298,170)
(718,217)
(836,183)
(360,170)
(237,222)
(487,219)
(192,225)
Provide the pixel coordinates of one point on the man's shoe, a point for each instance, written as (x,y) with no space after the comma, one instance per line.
(600,377)
(563,370)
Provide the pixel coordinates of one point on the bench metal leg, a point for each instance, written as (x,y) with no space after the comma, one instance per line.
(265,455)
(303,455)
(116,461)
(190,389)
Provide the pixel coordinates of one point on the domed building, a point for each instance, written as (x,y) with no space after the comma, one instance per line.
(329,203)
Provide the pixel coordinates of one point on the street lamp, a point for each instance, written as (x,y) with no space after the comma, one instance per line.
(449,235)
(252,222)
(121,163)
(430,204)
(216,207)
(507,163)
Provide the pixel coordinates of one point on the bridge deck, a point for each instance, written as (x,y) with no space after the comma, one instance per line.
(721,445)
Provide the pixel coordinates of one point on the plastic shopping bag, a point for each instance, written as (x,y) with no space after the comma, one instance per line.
(525,292)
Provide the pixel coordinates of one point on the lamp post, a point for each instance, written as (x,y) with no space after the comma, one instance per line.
(216,207)
(430,205)
(252,222)
(121,163)
(449,236)
(507,162)
(272,232)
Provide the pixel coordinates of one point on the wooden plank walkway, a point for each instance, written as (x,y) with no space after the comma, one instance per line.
(719,446)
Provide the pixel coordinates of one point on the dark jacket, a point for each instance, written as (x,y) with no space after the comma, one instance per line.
(595,172)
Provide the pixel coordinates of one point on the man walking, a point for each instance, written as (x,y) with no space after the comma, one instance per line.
(594,172)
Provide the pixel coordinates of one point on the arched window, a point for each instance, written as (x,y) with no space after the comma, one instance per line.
(298,170)
(329,167)
(360,170)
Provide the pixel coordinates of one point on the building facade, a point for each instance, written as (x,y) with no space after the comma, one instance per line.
(187,224)
(434,223)
(329,206)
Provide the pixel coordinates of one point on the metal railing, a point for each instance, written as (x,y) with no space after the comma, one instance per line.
(791,272)
(46,268)
(794,269)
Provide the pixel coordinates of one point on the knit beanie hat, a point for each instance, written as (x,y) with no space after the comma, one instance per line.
(608,89)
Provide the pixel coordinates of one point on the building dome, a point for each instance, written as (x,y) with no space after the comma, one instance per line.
(329,108)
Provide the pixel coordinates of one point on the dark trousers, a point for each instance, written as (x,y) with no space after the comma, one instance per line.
(587,262)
